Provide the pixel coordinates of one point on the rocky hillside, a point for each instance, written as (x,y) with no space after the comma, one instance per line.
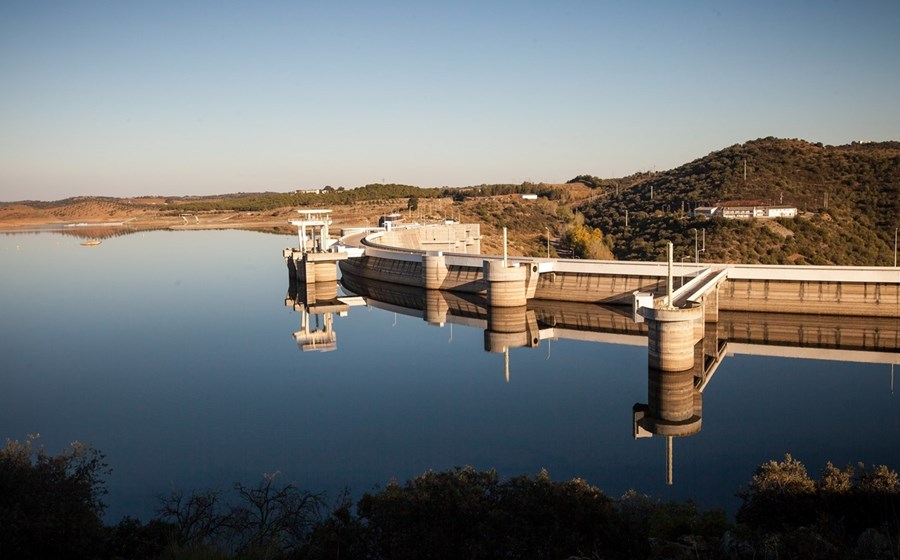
(847,197)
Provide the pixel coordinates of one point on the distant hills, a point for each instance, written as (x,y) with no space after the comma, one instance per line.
(847,197)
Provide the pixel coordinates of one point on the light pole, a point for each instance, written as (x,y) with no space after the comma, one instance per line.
(895,247)
(548,244)
(696,248)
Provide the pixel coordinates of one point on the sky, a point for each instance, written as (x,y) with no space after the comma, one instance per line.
(191,97)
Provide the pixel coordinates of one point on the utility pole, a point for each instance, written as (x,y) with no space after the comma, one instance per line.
(548,243)
(895,247)
(626,220)
(669,275)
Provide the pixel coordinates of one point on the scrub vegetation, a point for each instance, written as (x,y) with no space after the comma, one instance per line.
(51,507)
(848,198)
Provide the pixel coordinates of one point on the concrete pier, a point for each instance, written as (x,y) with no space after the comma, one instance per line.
(672,334)
(505,285)
(434,269)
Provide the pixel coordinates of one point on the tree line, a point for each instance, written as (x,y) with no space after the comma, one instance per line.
(51,506)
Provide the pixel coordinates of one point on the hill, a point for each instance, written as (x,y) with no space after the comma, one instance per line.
(847,197)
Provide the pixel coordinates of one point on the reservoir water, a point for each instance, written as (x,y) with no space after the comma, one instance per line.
(174,353)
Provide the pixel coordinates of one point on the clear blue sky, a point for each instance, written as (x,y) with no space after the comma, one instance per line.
(197,97)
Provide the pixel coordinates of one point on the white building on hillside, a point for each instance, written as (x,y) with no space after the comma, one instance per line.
(781,211)
(746,211)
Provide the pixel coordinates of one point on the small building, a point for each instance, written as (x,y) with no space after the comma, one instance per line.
(529,197)
(781,212)
(743,212)
(387,222)
(747,209)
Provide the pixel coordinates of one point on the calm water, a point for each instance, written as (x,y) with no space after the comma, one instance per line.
(173,353)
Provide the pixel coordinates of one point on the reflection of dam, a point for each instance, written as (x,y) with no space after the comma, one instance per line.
(857,339)
(674,406)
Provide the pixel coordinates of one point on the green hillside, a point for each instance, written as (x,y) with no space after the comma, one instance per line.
(847,197)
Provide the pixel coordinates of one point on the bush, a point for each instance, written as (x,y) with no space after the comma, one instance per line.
(50,506)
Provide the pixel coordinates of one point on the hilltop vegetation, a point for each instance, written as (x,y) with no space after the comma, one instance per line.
(847,196)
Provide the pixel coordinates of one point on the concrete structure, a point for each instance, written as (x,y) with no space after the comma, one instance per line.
(313,262)
(447,257)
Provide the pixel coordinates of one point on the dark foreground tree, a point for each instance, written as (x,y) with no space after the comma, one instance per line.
(847,512)
(269,520)
(50,506)
(464,513)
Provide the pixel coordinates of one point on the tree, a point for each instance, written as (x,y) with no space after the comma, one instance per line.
(198,518)
(465,513)
(50,506)
(269,519)
(413,203)
(274,518)
(780,495)
(586,242)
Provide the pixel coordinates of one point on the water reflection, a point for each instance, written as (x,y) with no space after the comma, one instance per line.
(674,405)
(316,303)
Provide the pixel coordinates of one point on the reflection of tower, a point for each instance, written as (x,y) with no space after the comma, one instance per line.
(316,331)
(675,398)
(510,327)
(674,409)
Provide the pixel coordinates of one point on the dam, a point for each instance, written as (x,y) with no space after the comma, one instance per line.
(689,316)
(448,257)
